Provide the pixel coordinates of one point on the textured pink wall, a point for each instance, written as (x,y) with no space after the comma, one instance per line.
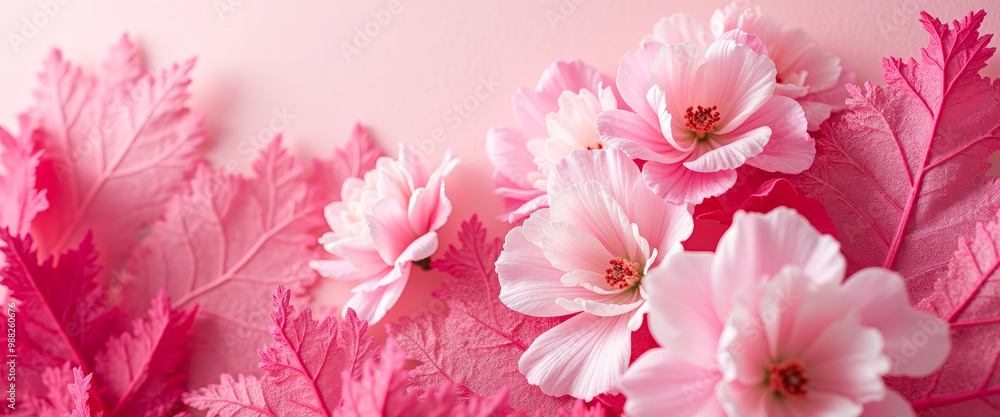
(284,64)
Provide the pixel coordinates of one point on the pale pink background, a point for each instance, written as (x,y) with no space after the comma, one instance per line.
(263,57)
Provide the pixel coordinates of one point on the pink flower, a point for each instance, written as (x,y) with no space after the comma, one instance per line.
(383,224)
(587,255)
(806,73)
(765,327)
(556,118)
(699,115)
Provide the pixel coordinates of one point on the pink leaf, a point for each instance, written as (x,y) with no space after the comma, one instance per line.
(477,344)
(21,200)
(142,372)
(79,390)
(64,319)
(967,384)
(117,146)
(903,172)
(225,244)
(241,397)
(379,392)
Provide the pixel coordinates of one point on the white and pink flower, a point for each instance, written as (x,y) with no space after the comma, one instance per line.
(383,224)
(806,72)
(587,255)
(767,327)
(700,114)
(556,118)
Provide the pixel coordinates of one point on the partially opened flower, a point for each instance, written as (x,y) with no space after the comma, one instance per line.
(765,327)
(700,114)
(383,224)
(587,255)
(805,72)
(556,118)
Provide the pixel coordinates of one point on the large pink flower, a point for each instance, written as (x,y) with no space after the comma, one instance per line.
(699,115)
(383,224)
(556,118)
(807,73)
(587,255)
(765,327)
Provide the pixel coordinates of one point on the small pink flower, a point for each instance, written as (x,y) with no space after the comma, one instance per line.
(765,327)
(556,118)
(587,255)
(383,224)
(806,73)
(699,115)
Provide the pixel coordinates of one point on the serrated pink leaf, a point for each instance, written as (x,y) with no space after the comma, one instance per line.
(21,200)
(55,401)
(224,245)
(380,392)
(117,146)
(240,397)
(79,390)
(227,242)
(141,371)
(477,344)
(303,366)
(968,383)
(903,172)
(64,318)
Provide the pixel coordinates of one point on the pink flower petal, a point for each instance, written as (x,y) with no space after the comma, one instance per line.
(679,185)
(736,148)
(616,172)
(757,246)
(506,148)
(664,225)
(916,342)
(681,316)
(569,248)
(636,137)
(659,384)
(372,305)
(737,80)
(633,79)
(790,149)
(531,106)
(583,356)
(592,209)
(750,41)
(676,71)
(679,28)
(893,405)
(528,282)
(606,306)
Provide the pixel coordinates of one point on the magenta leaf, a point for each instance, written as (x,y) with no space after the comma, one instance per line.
(967,298)
(903,172)
(240,397)
(79,391)
(64,320)
(356,157)
(21,200)
(477,344)
(303,367)
(117,146)
(226,243)
(142,372)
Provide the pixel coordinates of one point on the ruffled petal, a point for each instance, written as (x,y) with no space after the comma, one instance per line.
(734,149)
(737,80)
(506,148)
(679,185)
(528,282)
(614,170)
(659,384)
(372,305)
(636,137)
(633,79)
(917,343)
(790,149)
(584,356)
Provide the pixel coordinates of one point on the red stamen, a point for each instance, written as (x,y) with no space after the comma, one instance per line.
(702,120)
(599,146)
(622,274)
(788,378)
(778,79)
